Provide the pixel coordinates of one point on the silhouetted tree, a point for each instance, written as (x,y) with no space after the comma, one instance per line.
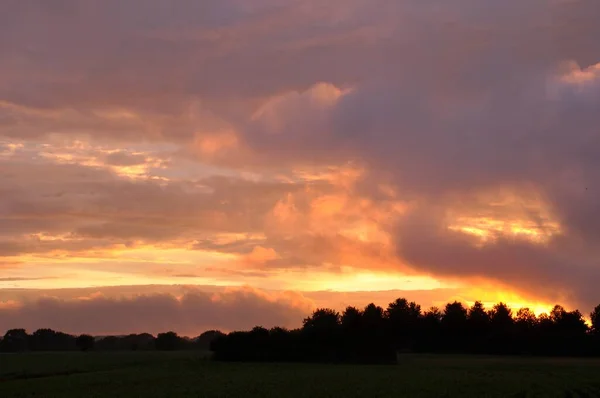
(352,329)
(260,340)
(168,341)
(404,319)
(284,345)
(372,317)
(432,318)
(85,342)
(454,326)
(478,319)
(595,318)
(526,319)
(135,342)
(455,316)
(595,331)
(371,335)
(323,319)
(376,345)
(501,334)
(568,323)
(351,320)
(478,327)
(544,334)
(321,333)
(570,331)
(557,313)
(109,343)
(203,341)
(478,322)
(430,338)
(501,317)
(526,324)
(50,340)
(43,340)
(15,340)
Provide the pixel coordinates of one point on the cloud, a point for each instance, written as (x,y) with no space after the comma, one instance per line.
(16,279)
(190,314)
(103,83)
(374,134)
(510,114)
(92,203)
(73,207)
(555,271)
(190,310)
(122,158)
(537,143)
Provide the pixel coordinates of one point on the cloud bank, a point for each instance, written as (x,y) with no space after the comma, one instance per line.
(189,314)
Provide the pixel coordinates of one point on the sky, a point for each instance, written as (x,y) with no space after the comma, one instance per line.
(221,164)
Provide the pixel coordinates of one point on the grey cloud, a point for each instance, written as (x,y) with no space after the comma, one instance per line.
(191,314)
(159,60)
(238,246)
(17,279)
(560,270)
(235,272)
(155,59)
(122,158)
(70,294)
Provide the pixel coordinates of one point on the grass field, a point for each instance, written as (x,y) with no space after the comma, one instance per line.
(187,374)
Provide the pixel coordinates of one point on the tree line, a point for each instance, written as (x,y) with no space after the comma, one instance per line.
(369,335)
(378,335)
(18,340)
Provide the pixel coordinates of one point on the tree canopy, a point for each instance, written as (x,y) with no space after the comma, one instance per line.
(372,334)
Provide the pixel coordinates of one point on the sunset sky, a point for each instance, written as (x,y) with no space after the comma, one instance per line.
(188,165)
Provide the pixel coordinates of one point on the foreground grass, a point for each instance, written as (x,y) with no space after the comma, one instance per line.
(188,374)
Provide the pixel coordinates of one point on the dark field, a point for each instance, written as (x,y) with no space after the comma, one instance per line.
(188,374)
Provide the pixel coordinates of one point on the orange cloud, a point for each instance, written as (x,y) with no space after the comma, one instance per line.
(212,143)
(275,114)
(261,255)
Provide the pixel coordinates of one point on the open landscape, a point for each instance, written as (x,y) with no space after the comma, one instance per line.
(192,374)
(300,198)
